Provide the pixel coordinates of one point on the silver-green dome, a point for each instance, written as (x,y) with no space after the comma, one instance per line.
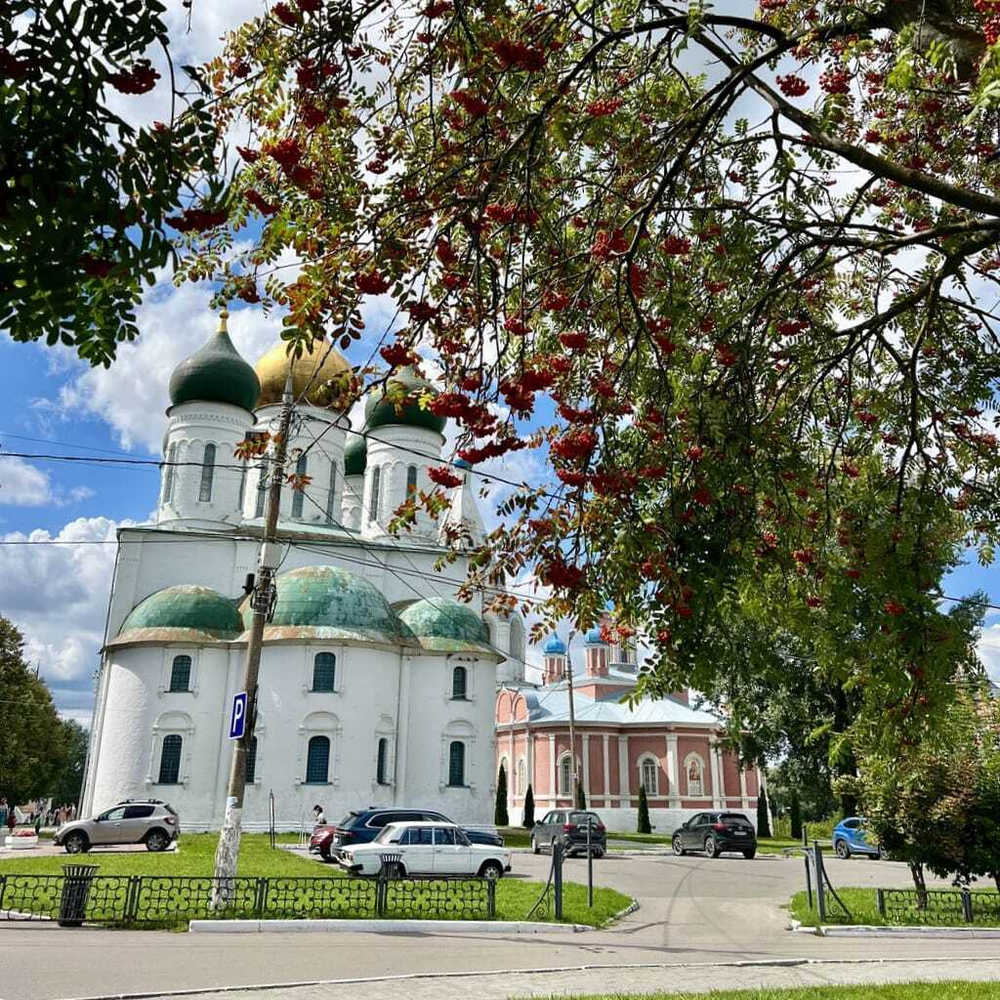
(182,612)
(444,624)
(380,411)
(355,454)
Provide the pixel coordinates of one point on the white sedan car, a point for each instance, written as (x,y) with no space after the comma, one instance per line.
(427,849)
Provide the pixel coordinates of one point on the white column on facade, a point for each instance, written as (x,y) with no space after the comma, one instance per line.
(402,731)
(673,770)
(607,772)
(530,754)
(585,740)
(511,778)
(744,801)
(718,791)
(624,785)
(552,769)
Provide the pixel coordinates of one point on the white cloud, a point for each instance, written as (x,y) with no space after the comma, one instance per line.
(989,650)
(23,485)
(57,595)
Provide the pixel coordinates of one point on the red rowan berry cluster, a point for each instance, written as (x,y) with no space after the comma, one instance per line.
(835,81)
(792,85)
(140,79)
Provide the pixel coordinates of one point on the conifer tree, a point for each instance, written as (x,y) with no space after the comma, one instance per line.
(642,826)
(763,820)
(795,814)
(529,810)
(500,810)
(581,798)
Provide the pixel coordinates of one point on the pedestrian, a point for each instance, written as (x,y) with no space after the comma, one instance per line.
(319,817)
(3,811)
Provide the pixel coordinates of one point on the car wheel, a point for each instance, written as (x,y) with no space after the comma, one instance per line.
(678,849)
(843,851)
(535,849)
(491,870)
(711,849)
(157,841)
(324,852)
(750,855)
(76,843)
(877,856)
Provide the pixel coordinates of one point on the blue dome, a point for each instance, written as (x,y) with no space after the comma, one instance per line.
(555,645)
(461,463)
(593,637)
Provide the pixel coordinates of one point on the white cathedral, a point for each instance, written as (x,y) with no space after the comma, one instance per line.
(376,686)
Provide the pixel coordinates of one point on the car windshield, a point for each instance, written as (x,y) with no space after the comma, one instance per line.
(390,834)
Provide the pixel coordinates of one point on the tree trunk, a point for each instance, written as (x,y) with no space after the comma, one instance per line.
(996,879)
(919,883)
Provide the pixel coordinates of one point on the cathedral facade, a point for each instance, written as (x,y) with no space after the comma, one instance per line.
(376,686)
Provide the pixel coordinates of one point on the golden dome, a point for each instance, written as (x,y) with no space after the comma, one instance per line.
(272,370)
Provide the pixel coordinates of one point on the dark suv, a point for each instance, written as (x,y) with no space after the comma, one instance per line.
(716,832)
(569,828)
(363,826)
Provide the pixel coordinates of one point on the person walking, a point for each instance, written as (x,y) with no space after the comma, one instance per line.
(319,818)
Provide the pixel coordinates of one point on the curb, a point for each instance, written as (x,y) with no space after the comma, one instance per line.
(874,930)
(381,927)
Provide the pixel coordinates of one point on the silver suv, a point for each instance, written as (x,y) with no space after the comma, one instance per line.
(135,821)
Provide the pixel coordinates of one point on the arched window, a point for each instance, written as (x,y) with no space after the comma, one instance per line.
(318,760)
(170,760)
(456,764)
(649,775)
(694,769)
(251,761)
(411,481)
(520,776)
(373,499)
(565,776)
(180,674)
(459,683)
(324,672)
(262,487)
(331,493)
(382,762)
(207,474)
(168,481)
(299,496)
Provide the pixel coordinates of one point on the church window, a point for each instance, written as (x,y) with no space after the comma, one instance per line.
(262,487)
(519,777)
(331,493)
(382,762)
(207,474)
(694,768)
(649,776)
(411,481)
(318,761)
(180,674)
(324,672)
(168,483)
(170,760)
(373,499)
(459,683)
(565,776)
(299,496)
(456,764)
(251,771)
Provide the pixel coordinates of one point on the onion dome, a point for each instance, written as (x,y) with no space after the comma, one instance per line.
(355,454)
(185,612)
(446,625)
(461,463)
(326,602)
(380,411)
(555,647)
(593,637)
(319,364)
(215,373)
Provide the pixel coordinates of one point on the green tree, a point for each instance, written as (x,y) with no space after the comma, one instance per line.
(795,815)
(528,818)
(763,819)
(68,782)
(84,195)
(34,748)
(642,820)
(581,798)
(500,817)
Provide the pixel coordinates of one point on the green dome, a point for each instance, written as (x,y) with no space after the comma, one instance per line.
(215,374)
(186,607)
(355,455)
(328,602)
(443,618)
(379,412)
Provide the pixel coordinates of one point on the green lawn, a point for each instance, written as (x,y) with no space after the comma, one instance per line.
(906,991)
(197,854)
(864,910)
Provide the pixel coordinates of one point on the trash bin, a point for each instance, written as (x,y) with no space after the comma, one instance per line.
(76,889)
(390,864)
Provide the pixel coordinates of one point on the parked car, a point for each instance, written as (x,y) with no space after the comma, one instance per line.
(850,837)
(716,833)
(427,849)
(363,826)
(133,821)
(569,828)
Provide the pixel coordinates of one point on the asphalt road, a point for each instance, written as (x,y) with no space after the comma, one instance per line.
(692,912)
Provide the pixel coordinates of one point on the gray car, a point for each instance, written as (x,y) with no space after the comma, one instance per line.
(134,821)
(569,828)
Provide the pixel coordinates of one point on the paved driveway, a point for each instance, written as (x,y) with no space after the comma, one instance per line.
(693,912)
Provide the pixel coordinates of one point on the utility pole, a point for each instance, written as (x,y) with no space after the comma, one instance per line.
(228,852)
(572,716)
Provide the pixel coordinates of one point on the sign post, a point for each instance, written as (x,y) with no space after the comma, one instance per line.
(238,716)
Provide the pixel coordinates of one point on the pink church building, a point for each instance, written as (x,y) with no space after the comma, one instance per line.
(663,745)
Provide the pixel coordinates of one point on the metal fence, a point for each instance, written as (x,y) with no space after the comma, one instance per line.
(938,906)
(145,899)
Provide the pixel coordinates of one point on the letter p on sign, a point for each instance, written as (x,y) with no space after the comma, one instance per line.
(238,718)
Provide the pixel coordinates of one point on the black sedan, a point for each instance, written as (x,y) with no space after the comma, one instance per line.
(716,833)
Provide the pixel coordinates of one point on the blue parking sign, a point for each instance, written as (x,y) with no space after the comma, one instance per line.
(238,718)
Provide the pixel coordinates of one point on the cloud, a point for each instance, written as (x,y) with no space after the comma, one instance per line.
(57,595)
(988,648)
(24,485)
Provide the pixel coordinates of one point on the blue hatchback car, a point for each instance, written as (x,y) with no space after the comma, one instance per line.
(849,837)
